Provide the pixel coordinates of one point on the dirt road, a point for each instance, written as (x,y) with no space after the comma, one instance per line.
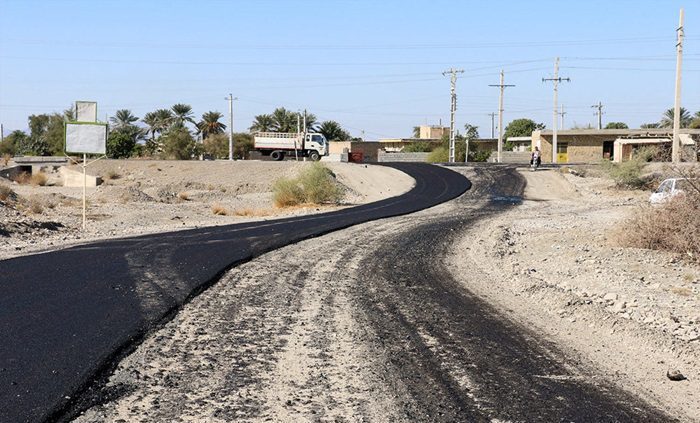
(365,324)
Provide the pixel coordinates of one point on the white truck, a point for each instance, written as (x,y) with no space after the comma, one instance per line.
(280,144)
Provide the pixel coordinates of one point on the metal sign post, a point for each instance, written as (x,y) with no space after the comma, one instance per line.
(86,136)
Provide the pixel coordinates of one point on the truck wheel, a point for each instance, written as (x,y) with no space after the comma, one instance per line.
(277,155)
(314,156)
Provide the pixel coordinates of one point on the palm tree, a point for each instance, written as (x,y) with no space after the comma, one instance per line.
(182,113)
(210,124)
(667,119)
(416,132)
(123,118)
(284,120)
(158,121)
(333,131)
(311,123)
(262,123)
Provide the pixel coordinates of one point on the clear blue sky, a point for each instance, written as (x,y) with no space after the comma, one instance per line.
(370,65)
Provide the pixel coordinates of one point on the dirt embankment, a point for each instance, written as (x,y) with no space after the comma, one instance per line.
(554,264)
(145,196)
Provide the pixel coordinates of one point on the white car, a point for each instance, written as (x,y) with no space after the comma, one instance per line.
(669,189)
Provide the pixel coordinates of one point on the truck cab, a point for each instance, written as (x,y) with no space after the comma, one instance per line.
(316,142)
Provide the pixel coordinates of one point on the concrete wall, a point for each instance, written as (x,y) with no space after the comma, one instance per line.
(580,148)
(432,132)
(403,157)
(368,149)
(74,178)
(519,157)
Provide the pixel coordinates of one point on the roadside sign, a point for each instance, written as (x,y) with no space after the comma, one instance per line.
(86,137)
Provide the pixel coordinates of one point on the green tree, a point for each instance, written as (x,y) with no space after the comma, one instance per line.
(695,123)
(667,119)
(182,113)
(416,132)
(333,131)
(472,132)
(522,128)
(14,143)
(120,144)
(242,144)
(46,134)
(210,124)
(616,125)
(178,143)
(123,118)
(649,125)
(216,146)
(262,123)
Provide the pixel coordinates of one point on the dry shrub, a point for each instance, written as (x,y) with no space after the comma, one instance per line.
(23,178)
(219,210)
(6,158)
(6,193)
(673,226)
(251,212)
(112,174)
(184,196)
(35,207)
(626,174)
(315,185)
(38,179)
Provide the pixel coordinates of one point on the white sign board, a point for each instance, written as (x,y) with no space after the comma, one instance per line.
(86,111)
(90,138)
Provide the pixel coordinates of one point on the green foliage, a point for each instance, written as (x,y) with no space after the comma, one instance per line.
(419,147)
(210,124)
(667,118)
(178,144)
(416,132)
(478,156)
(439,155)
(333,131)
(626,174)
(14,143)
(283,120)
(216,146)
(120,144)
(123,118)
(471,132)
(262,123)
(649,125)
(242,144)
(616,125)
(182,113)
(522,128)
(316,185)
(46,134)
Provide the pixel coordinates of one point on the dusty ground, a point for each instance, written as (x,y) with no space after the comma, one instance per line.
(296,342)
(144,196)
(553,263)
(358,337)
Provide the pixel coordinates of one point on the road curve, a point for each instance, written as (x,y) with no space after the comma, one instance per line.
(67,316)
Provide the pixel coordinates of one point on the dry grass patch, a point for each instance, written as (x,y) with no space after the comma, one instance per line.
(682,291)
(6,193)
(34,206)
(315,185)
(250,212)
(184,196)
(219,210)
(673,226)
(36,179)
(112,174)
(6,159)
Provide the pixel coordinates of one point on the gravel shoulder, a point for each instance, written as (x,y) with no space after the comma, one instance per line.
(552,264)
(364,324)
(147,196)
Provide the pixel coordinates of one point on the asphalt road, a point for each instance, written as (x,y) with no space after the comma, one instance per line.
(67,316)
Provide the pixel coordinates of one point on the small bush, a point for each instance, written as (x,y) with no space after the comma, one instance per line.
(112,174)
(6,158)
(673,226)
(251,212)
(35,207)
(626,174)
(287,192)
(6,193)
(439,155)
(23,178)
(219,210)
(316,184)
(418,147)
(183,196)
(38,179)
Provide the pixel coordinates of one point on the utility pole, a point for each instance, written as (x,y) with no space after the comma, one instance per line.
(676,148)
(2,133)
(304,133)
(230,125)
(599,106)
(493,115)
(296,150)
(562,113)
(556,80)
(453,108)
(502,86)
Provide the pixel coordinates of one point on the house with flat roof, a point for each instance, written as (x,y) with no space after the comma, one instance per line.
(594,145)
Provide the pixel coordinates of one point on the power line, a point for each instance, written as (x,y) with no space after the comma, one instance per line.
(599,106)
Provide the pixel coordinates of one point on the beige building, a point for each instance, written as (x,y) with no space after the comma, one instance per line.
(593,145)
(431,132)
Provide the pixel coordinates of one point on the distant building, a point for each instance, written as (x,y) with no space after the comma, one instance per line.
(431,132)
(594,145)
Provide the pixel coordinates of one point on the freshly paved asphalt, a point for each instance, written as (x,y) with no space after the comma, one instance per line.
(67,316)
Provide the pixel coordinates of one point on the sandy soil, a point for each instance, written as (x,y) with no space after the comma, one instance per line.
(552,262)
(143,196)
